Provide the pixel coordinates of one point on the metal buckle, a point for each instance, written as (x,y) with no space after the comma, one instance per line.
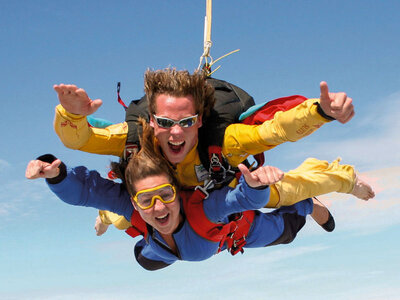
(207,185)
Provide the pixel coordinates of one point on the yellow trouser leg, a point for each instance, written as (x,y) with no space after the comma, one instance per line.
(312,178)
(118,221)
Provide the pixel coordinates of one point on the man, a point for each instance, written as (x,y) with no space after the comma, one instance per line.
(178,103)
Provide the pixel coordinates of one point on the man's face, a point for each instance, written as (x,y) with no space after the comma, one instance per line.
(164,217)
(176,141)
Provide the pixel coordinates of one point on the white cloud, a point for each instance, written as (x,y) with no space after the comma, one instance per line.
(21,198)
(283,253)
(4,165)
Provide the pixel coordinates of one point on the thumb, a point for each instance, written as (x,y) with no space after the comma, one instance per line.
(245,172)
(323,86)
(51,170)
(55,164)
(95,104)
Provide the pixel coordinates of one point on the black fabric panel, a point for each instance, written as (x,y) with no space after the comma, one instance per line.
(293,224)
(148,264)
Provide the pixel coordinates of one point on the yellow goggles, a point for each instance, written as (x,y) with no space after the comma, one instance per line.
(145,199)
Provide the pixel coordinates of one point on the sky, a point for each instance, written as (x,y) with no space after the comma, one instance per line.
(49,250)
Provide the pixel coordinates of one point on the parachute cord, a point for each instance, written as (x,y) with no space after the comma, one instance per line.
(206,68)
(213,62)
(207,35)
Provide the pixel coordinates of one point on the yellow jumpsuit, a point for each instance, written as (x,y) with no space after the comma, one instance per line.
(312,178)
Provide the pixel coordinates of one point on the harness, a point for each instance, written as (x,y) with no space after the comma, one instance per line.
(138,227)
(232,234)
(230,102)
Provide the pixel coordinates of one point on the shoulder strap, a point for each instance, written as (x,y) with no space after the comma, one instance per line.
(230,102)
(137,108)
(138,227)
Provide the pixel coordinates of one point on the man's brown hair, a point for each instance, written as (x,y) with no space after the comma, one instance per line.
(179,84)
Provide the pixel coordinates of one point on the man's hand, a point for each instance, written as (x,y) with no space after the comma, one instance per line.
(265,175)
(100,227)
(75,100)
(40,169)
(336,105)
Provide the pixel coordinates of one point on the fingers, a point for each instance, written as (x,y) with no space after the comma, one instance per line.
(34,169)
(347,111)
(100,227)
(265,175)
(65,89)
(75,100)
(269,175)
(40,169)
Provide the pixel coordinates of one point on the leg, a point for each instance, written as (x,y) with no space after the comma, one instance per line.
(279,226)
(315,177)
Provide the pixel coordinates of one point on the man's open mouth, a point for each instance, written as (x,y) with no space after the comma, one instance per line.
(176,147)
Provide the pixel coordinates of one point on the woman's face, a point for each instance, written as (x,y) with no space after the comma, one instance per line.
(164,217)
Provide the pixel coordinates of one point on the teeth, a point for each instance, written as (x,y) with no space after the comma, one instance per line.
(176,143)
(162,217)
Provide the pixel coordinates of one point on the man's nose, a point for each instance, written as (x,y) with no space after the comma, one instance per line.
(176,129)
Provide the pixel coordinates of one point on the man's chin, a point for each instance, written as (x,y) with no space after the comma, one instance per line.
(175,158)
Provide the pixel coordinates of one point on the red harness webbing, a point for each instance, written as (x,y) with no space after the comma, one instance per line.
(268,110)
(233,233)
(138,225)
(264,113)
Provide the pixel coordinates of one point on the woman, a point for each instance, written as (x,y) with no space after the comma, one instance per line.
(169,219)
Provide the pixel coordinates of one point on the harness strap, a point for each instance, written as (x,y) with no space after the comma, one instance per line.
(138,226)
(119,98)
(232,234)
(220,171)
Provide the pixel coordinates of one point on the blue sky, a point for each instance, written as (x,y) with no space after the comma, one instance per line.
(48,250)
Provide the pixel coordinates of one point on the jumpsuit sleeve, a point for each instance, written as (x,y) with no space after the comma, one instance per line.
(82,187)
(226,201)
(242,140)
(75,133)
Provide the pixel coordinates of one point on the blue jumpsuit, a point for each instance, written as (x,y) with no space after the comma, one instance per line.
(82,187)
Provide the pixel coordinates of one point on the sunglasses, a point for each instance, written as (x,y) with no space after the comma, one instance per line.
(168,123)
(146,199)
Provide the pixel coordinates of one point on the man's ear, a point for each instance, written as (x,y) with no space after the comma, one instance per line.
(151,121)
(200,121)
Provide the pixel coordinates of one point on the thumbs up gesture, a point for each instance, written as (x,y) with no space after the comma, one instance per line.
(336,105)
(265,175)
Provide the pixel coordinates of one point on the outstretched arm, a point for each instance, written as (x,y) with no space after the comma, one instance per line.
(80,186)
(241,140)
(72,127)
